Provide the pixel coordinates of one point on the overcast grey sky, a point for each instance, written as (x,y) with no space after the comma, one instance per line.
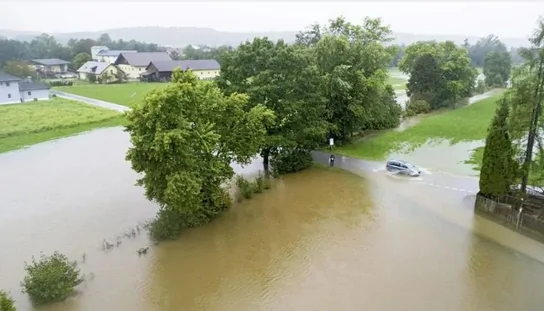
(505,19)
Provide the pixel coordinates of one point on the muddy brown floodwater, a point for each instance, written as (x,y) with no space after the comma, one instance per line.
(318,240)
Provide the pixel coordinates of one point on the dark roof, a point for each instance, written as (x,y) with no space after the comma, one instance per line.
(114,52)
(30,86)
(143,59)
(50,61)
(201,64)
(4,77)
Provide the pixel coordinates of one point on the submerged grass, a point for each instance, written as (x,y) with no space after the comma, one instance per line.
(126,94)
(26,124)
(464,124)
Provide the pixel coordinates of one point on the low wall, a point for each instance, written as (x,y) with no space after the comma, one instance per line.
(508,216)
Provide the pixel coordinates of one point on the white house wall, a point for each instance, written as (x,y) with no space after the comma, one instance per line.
(9,94)
(34,95)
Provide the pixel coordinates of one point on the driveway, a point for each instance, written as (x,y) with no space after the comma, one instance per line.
(91,101)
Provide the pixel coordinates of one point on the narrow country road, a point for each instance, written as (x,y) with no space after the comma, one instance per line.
(91,101)
(462,184)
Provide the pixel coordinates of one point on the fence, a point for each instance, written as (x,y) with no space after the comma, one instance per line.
(506,212)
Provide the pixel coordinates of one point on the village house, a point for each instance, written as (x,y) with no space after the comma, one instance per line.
(54,65)
(102,70)
(204,69)
(133,64)
(104,54)
(16,90)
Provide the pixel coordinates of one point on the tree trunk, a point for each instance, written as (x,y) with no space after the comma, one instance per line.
(266,159)
(533,128)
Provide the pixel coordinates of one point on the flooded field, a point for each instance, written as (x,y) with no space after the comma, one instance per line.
(318,240)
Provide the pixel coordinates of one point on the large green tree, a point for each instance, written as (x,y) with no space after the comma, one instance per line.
(80,59)
(455,68)
(185,138)
(497,67)
(426,81)
(283,78)
(352,61)
(498,166)
(19,68)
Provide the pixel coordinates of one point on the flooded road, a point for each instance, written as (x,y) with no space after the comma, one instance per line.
(318,240)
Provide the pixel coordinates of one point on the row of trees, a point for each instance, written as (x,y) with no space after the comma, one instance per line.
(77,51)
(440,74)
(476,52)
(274,99)
(515,135)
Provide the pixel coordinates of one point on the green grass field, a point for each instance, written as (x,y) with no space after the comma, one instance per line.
(463,124)
(397,82)
(126,94)
(30,123)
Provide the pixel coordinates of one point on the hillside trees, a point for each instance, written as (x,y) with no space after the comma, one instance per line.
(352,61)
(498,166)
(184,139)
(283,78)
(457,74)
(484,46)
(46,46)
(497,67)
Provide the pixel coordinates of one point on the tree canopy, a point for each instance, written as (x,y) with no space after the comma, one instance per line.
(498,166)
(457,74)
(184,139)
(497,67)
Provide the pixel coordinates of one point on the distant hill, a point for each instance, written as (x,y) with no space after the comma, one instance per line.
(182,36)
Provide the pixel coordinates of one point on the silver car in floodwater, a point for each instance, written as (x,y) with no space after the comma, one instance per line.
(402,167)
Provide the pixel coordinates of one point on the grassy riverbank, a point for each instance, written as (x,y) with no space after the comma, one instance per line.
(126,94)
(464,124)
(26,124)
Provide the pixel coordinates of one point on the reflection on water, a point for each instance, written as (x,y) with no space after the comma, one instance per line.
(318,240)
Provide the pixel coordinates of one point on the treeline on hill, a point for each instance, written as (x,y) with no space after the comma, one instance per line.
(476,52)
(442,73)
(77,51)
(513,153)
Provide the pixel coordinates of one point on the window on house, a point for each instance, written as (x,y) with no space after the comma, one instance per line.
(7,83)
(9,95)
(29,93)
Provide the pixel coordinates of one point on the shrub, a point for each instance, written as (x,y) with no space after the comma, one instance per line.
(245,188)
(60,83)
(480,87)
(6,302)
(291,161)
(167,225)
(259,183)
(415,107)
(50,279)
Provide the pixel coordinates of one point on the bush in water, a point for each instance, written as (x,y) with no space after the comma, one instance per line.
(291,161)
(167,225)
(245,188)
(51,278)
(415,107)
(6,302)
